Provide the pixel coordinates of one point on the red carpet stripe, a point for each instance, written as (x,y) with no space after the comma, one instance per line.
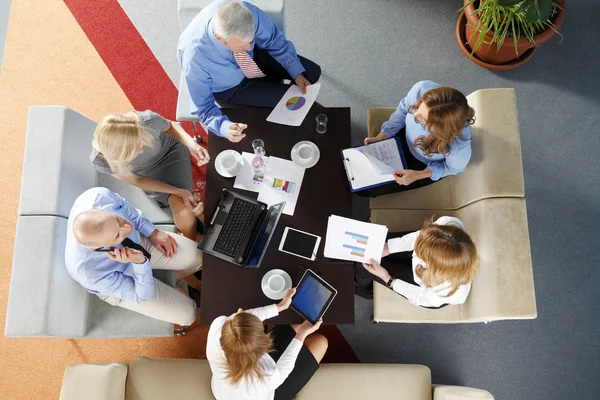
(131,62)
(147,86)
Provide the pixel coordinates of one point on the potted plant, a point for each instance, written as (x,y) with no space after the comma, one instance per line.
(503,34)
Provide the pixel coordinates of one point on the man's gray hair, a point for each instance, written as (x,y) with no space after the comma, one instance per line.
(233,19)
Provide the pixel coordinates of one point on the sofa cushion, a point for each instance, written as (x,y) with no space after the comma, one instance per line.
(503,287)
(56,165)
(495,169)
(158,379)
(44,300)
(369,381)
(94,382)
(442,392)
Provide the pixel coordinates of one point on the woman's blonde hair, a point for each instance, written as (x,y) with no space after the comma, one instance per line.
(449,253)
(117,137)
(244,342)
(449,112)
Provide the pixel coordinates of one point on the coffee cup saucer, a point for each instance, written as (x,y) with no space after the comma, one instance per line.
(305,163)
(276,295)
(219,163)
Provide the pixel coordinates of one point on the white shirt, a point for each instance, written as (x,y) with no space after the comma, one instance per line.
(252,389)
(421,295)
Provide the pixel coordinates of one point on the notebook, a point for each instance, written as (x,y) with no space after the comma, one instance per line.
(374,164)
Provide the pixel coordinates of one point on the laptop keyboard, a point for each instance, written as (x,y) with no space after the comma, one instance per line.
(236,225)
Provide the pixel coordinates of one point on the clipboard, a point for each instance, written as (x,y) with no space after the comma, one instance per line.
(360,172)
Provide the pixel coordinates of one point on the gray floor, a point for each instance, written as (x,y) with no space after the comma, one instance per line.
(4,12)
(371,53)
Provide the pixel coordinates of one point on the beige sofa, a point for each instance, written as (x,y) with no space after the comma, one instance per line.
(495,169)
(181,379)
(503,287)
(489,198)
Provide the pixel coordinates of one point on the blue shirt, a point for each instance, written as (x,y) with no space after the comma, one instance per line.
(209,67)
(97,273)
(441,165)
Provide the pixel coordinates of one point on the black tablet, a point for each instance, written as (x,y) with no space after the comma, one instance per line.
(313,297)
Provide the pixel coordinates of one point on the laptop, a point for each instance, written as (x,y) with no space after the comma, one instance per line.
(240,229)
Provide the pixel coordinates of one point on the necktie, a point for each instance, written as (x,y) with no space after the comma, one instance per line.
(133,245)
(248,66)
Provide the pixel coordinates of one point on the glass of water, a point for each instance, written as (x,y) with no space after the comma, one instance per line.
(258,144)
(321,123)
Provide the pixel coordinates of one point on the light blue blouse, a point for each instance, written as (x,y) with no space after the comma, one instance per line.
(441,165)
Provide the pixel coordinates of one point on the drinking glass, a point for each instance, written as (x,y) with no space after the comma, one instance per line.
(321,123)
(258,144)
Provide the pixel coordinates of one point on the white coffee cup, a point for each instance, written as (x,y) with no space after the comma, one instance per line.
(305,153)
(276,283)
(229,163)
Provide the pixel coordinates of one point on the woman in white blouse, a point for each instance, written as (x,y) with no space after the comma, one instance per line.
(432,267)
(248,363)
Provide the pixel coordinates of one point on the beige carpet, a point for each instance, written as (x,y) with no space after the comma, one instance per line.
(48,60)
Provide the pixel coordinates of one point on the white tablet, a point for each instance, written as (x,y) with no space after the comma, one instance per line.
(298,243)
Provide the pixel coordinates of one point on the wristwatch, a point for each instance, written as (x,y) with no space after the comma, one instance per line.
(390,282)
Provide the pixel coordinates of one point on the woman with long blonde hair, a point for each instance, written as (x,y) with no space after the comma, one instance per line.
(432,267)
(248,363)
(433,125)
(148,151)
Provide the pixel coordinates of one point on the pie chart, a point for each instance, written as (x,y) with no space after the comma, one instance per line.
(295,103)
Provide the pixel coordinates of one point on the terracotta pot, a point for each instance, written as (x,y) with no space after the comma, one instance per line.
(489,53)
(461,39)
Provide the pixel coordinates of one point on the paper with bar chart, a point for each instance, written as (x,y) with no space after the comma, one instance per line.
(282,182)
(294,105)
(348,239)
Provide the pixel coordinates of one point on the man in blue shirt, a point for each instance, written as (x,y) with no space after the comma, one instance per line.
(234,53)
(111,249)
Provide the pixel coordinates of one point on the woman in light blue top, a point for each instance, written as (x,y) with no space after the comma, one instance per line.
(434,125)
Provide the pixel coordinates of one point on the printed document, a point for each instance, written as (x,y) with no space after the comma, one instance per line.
(348,239)
(282,182)
(293,106)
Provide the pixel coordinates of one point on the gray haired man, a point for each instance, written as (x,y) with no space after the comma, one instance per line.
(234,53)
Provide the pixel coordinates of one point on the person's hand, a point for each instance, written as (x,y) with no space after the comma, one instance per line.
(126,255)
(386,250)
(380,136)
(286,301)
(199,209)
(235,132)
(406,177)
(302,83)
(163,242)
(200,154)
(373,267)
(189,200)
(306,328)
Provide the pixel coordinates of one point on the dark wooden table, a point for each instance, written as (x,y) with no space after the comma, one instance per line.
(324,191)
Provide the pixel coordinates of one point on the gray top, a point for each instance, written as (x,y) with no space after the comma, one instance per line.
(167,161)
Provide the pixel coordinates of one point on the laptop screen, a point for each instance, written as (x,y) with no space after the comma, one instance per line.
(260,246)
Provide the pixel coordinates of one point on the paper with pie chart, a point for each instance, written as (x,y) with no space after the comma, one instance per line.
(293,106)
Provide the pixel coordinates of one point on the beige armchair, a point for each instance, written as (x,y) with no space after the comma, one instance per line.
(495,169)
(503,287)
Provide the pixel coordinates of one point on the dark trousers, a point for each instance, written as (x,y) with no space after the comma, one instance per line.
(267,91)
(399,266)
(412,163)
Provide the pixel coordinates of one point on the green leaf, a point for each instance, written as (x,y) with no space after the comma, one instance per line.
(539,11)
(508,2)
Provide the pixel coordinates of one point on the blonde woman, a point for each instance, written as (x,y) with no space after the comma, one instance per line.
(432,267)
(433,123)
(152,153)
(248,363)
